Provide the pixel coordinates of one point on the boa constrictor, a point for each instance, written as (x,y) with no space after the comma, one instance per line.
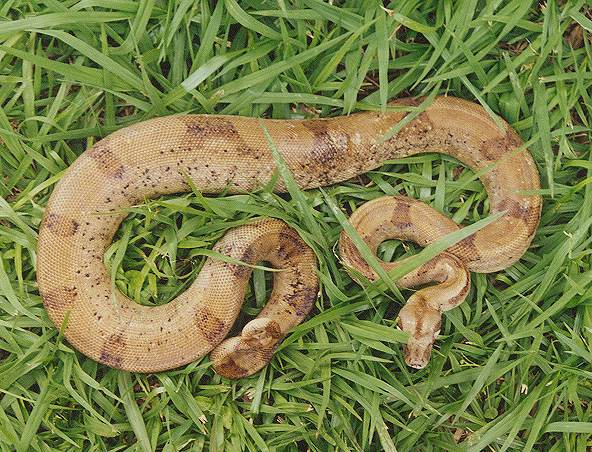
(219,153)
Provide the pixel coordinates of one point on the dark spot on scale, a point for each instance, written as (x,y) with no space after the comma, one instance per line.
(522,211)
(240,271)
(404,225)
(494,148)
(62,298)
(110,359)
(290,246)
(204,127)
(302,300)
(230,369)
(327,147)
(401,214)
(106,161)
(410,101)
(60,225)
(116,341)
(111,352)
(416,132)
(515,209)
(468,247)
(212,327)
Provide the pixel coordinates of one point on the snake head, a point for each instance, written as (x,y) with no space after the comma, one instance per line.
(423,325)
(248,353)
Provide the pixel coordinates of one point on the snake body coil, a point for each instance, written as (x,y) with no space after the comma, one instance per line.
(218,153)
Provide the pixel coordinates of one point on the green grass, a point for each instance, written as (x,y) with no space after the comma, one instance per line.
(513,365)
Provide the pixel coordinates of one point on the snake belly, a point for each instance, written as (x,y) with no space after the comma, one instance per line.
(229,153)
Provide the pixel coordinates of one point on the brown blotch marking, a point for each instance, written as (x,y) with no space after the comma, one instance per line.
(273,330)
(516,209)
(111,359)
(355,258)
(327,147)
(61,298)
(402,212)
(438,326)
(459,296)
(302,300)
(205,127)
(420,305)
(416,129)
(418,327)
(212,327)
(409,101)
(60,225)
(268,353)
(454,301)
(248,256)
(290,246)
(420,324)
(470,250)
(494,148)
(230,369)
(111,351)
(106,160)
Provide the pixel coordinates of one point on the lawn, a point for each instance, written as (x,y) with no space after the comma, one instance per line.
(512,367)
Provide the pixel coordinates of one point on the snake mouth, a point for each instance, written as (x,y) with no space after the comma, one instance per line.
(418,351)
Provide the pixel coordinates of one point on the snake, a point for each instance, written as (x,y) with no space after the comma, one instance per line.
(233,154)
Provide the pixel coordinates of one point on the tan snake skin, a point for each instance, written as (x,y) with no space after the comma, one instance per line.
(154,157)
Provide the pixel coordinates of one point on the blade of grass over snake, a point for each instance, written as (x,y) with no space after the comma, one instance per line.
(428,253)
(294,190)
(414,113)
(362,247)
(441,245)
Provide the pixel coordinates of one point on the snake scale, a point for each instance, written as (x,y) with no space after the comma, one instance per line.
(218,153)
